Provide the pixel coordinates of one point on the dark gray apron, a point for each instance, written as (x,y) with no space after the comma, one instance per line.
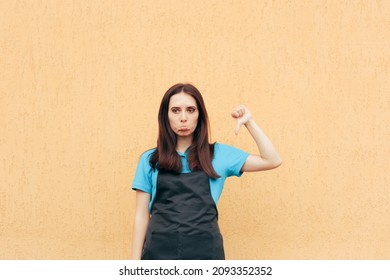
(184,220)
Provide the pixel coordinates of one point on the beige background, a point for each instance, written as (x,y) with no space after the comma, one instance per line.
(81,82)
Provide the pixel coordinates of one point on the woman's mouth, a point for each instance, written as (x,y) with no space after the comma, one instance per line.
(184,128)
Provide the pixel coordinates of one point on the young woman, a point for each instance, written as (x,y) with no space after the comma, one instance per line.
(179,182)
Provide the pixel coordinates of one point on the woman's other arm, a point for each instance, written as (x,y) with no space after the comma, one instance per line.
(141,221)
(268,157)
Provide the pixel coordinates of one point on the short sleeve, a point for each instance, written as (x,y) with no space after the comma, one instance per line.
(232,159)
(143,175)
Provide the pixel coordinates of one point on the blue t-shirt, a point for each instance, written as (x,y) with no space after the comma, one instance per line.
(227,161)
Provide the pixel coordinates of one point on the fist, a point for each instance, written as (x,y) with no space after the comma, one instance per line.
(242,115)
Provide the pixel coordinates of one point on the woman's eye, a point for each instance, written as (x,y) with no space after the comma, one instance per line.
(191,110)
(175,110)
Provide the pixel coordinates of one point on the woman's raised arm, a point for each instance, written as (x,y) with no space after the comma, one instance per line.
(268,158)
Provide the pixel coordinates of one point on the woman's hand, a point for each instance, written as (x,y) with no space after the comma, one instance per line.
(242,115)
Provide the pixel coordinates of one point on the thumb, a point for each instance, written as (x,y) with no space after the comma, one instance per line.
(238,127)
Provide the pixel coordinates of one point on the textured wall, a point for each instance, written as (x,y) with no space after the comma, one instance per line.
(80,86)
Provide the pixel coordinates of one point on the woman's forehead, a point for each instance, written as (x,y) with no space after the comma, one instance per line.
(182,99)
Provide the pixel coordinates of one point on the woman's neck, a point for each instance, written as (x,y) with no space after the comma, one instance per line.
(183,143)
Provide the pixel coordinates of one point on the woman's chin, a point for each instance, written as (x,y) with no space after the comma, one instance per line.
(184,133)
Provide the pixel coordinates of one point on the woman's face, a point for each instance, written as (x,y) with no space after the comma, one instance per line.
(183,114)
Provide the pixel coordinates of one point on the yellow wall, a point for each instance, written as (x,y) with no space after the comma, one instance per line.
(80,86)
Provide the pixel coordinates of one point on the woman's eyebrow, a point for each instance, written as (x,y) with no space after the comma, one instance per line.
(178,107)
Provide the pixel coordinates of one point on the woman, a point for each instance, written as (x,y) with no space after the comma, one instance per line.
(179,182)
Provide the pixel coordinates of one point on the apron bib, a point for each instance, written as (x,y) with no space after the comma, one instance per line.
(184,220)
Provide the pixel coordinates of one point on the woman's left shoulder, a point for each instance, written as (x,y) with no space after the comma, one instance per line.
(222,146)
(225,149)
(218,145)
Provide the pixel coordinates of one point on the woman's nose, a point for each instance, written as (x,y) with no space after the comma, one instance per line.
(183,116)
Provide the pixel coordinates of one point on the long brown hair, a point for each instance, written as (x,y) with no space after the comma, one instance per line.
(200,153)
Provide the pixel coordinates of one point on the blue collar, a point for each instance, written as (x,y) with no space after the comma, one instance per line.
(185,154)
